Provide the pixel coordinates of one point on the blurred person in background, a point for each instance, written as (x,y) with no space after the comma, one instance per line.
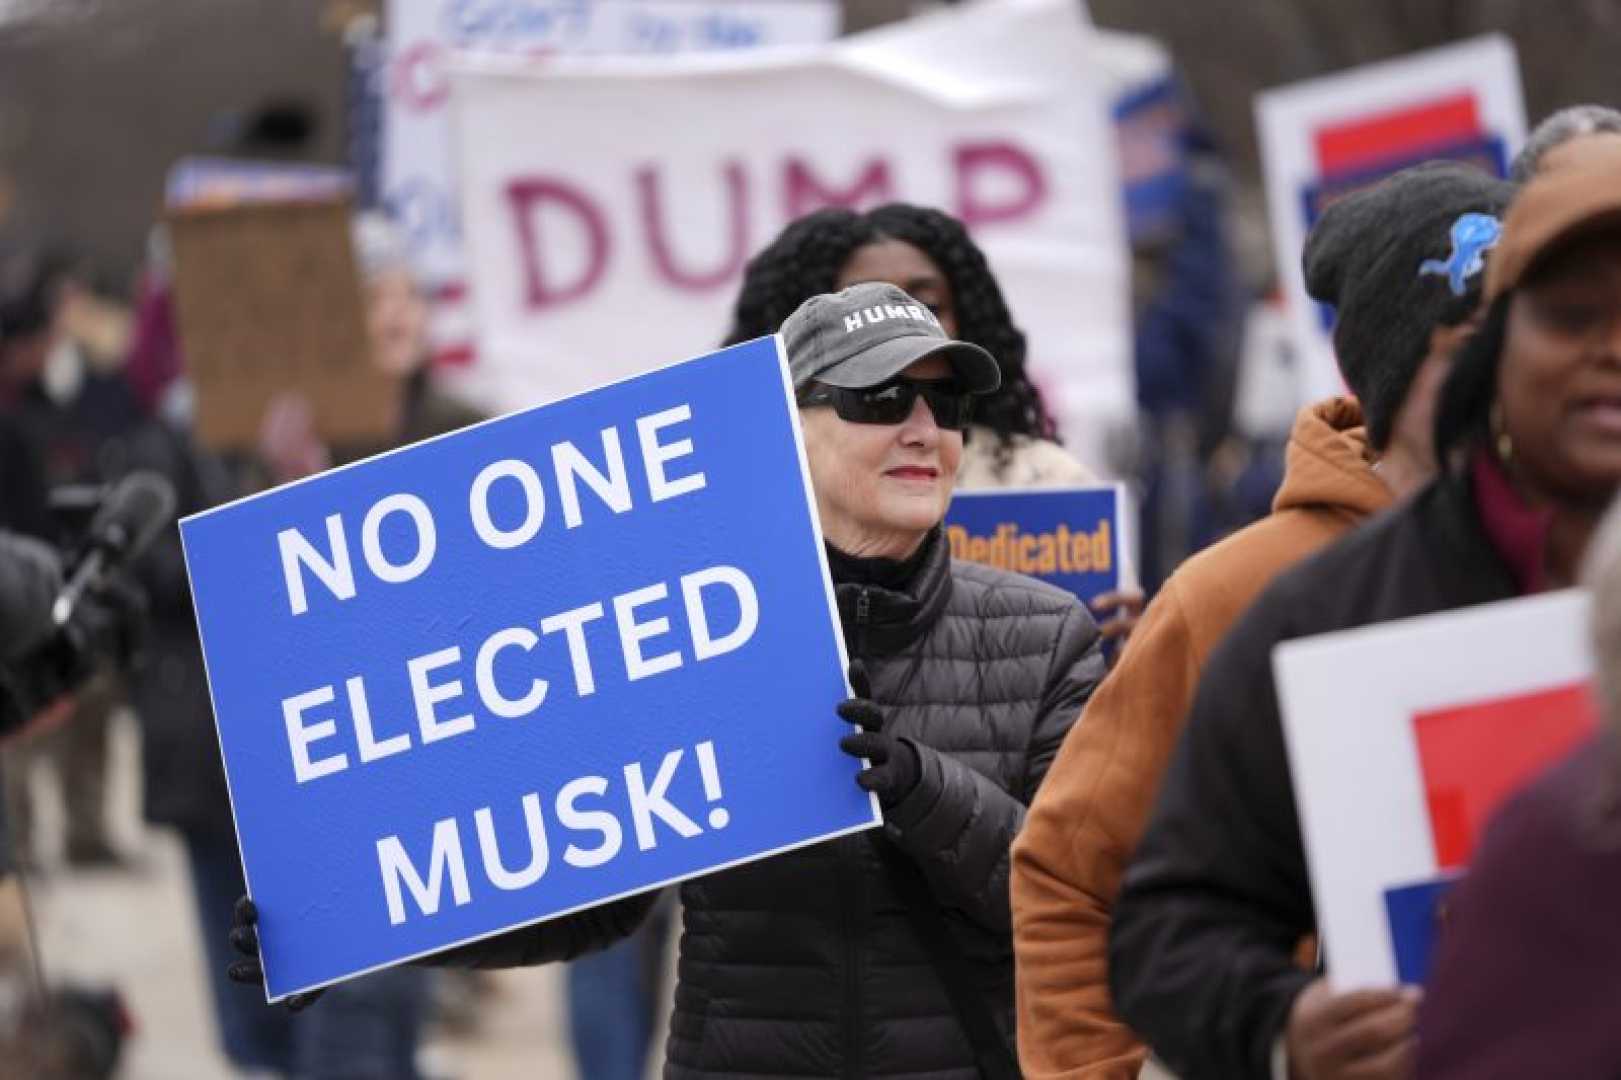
(1217,898)
(397,327)
(57,411)
(387,1008)
(1559,128)
(71,425)
(1528,964)
(1188,304)
(182,781)
(56,1030)
(1013,442)
(369,1028)
(613,1000)
(1395,335)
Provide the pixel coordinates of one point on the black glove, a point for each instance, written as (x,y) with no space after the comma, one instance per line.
(245,940)
(896,766)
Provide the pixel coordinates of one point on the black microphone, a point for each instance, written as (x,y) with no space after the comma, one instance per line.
(136,510)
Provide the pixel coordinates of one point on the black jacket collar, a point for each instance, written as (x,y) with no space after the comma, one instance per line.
(885,605)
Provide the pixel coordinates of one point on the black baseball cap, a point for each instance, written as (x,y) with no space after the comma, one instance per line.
(869,333)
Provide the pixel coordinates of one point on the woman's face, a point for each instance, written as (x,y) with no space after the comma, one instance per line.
(1559,386)
(899,263)
(397,321)
(881,487)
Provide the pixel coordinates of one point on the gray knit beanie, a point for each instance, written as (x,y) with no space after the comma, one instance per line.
(1397,260)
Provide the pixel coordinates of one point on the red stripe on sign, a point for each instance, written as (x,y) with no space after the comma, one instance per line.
(1397,133)
(454,356)
(451,292)
(1474,756)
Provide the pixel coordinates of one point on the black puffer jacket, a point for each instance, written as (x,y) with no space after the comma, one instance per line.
(806,964)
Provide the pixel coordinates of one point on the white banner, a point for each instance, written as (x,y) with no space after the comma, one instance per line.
(1326,137)
(610,205)
(1395,782)
(418,169)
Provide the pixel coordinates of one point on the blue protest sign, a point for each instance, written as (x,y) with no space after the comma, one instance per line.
(1075,538)
(554,659)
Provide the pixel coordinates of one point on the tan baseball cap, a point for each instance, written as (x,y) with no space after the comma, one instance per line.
(1577,188)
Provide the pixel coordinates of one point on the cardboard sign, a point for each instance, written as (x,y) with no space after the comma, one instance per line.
(268,300)
(548,661)
(1324,138)
(1395,780)
(1078,539)
(987,111)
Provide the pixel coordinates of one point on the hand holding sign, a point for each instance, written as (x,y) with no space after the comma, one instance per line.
(896,764)
(1118,612)
(1368,1034)
(245,940)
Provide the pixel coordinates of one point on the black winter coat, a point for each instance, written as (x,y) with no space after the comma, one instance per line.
(1217,898)
(806,964)
(182,781)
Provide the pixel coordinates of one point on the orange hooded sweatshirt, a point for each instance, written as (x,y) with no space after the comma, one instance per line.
(1095,802)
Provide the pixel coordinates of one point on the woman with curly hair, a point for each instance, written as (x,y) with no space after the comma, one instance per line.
(1013,441)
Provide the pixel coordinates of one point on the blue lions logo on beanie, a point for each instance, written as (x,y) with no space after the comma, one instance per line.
(1472,236)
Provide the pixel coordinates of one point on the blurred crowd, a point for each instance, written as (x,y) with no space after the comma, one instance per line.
(1159,892)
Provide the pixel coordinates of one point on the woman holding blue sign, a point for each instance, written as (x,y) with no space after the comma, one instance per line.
(887,952)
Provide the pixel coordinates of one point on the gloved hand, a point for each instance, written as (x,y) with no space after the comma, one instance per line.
(896,765)
(245,940)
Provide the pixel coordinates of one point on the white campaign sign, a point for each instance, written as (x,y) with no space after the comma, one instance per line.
(1328,135)
(610,204)
(418,168)
(1355,762)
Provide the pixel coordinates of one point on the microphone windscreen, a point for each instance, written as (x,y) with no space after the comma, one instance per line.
(136,510)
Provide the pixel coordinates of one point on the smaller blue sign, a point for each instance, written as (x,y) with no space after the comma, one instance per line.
(1417,914)
(1075,538)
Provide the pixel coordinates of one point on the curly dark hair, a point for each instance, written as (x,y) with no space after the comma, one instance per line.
(805,260)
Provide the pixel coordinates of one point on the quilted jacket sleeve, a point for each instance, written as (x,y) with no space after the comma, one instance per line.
(958,825)
(554,940)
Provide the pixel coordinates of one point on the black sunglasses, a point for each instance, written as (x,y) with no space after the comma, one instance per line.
(891,402)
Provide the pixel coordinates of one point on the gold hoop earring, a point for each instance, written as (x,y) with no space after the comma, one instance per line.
(1502,442)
